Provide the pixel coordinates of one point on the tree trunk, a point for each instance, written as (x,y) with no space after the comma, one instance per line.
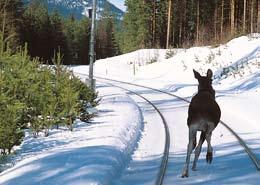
(70,123)
(244,17)
(169,23)
(184,20)
(154,21)
(173,37)
(180,33)
(232,17)
(9,150)
(46,132)
(222,20)
(258,16)
(180,40)
(215,20)
(198,21)
(252,16)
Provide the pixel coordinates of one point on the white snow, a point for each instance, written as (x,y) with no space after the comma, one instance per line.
(93,153)
(124,143)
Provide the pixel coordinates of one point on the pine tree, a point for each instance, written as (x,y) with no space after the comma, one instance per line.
(10,21)
(136,25)
(37,31)
(161,27)
(77,35)
(11,107)
(106,45)
(86,99)
(58,39)
(69,97)
(47,105)
(10,130)
(83,36)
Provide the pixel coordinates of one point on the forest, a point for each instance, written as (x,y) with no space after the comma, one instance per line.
(186,23)
(46,33)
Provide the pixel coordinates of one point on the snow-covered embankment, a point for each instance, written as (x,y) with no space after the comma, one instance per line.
(94,153)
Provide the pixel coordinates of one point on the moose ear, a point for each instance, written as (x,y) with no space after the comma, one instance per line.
(196,74)
(209,73)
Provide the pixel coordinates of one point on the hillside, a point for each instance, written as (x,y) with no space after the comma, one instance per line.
(80,8)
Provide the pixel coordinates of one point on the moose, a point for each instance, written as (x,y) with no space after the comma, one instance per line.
(203,115)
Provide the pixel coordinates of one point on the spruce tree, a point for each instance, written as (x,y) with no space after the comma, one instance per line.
(69,102)
(11,133)
(136,26)
(11,22)
(37,31)
(77,33)
(11,107)
(86,99)
(47,104)
(106,44)
(58,39)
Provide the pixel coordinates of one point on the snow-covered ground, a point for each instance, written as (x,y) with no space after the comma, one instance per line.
(123,144)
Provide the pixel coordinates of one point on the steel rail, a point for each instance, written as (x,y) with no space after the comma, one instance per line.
(137,85)
(164,162)
(251,155)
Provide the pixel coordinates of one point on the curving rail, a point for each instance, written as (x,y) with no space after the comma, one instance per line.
(163,166)
(251,155)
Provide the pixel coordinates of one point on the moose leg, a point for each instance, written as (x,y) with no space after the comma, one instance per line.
(194,143)
(209,156)
(192,135)
(198,149)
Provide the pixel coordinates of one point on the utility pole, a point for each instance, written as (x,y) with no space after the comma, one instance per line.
(92,54)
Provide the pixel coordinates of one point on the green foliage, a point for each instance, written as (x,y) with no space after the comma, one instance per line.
(38,97)
(136,26)
(106,44)
(39,31)
(77,38)
(11,133)
(87,99)
(69,103)
(10,21)
(46,33)
(144,25)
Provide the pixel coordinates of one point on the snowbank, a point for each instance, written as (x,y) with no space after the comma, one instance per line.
(93,153)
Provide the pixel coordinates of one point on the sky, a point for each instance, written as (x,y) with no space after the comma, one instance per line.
(119,4)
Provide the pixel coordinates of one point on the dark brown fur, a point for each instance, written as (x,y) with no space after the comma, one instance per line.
(203,115)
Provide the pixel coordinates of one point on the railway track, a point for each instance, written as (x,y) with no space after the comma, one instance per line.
(251,155)
(164,161)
